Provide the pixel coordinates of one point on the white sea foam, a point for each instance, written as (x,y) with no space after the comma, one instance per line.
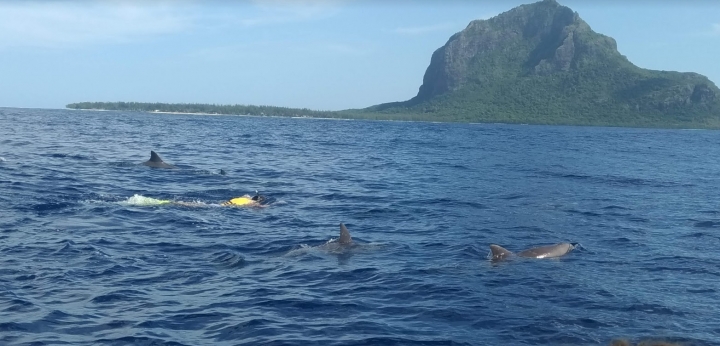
(303,249)
(140,200)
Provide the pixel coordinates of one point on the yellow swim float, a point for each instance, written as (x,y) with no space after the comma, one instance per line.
(240,201)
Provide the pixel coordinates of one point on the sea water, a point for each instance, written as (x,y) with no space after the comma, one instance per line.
(87,258)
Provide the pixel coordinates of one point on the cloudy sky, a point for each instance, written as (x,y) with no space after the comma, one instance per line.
(318,54)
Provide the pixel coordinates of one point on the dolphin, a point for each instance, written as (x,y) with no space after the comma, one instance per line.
(341,244)
(548,251)
(156,162)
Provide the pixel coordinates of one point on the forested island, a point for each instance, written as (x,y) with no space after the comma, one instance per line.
(199,108)
(535,64)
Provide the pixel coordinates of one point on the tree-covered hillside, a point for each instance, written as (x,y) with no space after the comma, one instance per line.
(540,63)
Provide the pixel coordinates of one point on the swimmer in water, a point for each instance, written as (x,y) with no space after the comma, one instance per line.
(244,201)
(247,201)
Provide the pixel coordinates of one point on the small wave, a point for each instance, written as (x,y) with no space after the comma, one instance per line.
(69,156)
(575,176)
(183,321)
(139,340)
(701,290)
(229,259)
(514,196)
(611,179)
(713,212)
(380,211)
(13,327)
(698,235)
(616,207)
(67,245)
(19,305)
(707,224)
(230,332)
(300,251)
(653,309)
(584,323)
(585,213)
(685,270)
(410,341)
(51,206)
(621,241)
(118,296)
(26,277)
(125,164)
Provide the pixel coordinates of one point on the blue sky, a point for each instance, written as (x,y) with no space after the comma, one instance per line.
(318,54)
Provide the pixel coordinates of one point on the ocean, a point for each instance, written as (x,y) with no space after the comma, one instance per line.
(90,256)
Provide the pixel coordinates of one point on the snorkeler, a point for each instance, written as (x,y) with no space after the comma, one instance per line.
(244,201)
(247,201)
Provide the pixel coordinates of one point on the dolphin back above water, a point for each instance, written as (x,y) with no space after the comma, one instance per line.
(156,162)
(339,245)
(548,251)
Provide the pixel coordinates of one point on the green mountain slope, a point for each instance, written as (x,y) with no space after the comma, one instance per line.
(540,63)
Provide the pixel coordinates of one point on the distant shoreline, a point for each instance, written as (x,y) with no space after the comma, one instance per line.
(356,114)
(218,114)
(199,108)
(155,112)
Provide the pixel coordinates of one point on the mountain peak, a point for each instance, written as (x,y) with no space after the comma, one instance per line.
(543,58)
(539,38)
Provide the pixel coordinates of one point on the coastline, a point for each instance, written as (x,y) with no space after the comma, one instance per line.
(373,116)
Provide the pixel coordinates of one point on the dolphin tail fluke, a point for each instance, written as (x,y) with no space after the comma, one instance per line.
(498,252)
(345,237)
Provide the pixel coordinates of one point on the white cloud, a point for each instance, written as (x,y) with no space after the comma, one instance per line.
(62,23)
(716,28)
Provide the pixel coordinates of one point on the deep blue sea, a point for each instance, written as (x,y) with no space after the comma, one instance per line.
(82,262)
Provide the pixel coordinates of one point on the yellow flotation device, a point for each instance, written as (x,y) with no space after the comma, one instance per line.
(240,201)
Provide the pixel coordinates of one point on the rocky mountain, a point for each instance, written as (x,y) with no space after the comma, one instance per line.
(541,63)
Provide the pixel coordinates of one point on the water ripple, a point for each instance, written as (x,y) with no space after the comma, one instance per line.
(79,265)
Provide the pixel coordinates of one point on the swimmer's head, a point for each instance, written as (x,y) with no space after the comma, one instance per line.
(258,197)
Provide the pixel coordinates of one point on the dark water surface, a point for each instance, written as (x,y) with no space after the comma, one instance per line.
(83,263)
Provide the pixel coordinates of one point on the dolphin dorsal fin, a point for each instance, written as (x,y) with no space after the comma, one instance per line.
(154,157)
(345,237)
(498,252)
